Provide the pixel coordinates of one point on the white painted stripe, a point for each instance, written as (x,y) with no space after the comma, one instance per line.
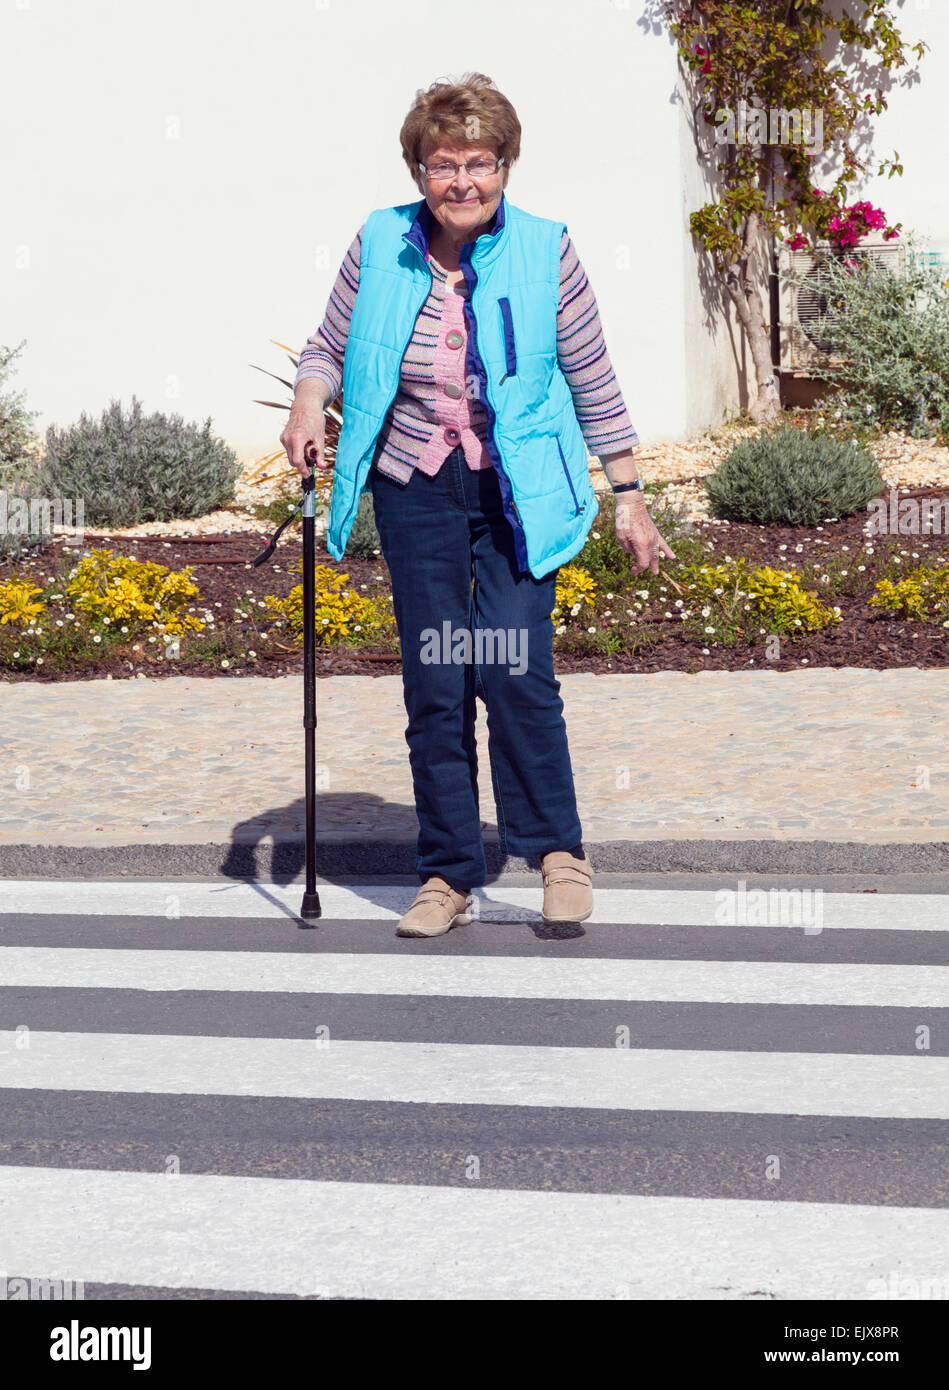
(291,1236)
(662,907)
(796,1083)
(495,977)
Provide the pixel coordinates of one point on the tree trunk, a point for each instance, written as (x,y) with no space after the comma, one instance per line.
(765,408)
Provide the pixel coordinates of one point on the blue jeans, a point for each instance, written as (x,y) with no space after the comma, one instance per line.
(436,534)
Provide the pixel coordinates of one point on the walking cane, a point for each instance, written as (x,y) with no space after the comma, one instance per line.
(310,910)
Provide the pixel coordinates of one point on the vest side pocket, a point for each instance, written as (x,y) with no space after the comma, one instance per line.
(573,491)
(507,328)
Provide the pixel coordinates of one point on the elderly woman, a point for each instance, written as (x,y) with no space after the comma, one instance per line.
(466,341)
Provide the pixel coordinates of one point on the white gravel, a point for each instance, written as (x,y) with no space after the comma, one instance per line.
(904,462)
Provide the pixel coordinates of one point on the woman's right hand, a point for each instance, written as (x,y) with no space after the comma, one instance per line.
(304,432)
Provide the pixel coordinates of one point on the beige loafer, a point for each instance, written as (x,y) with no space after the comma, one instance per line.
(568,887)
(437,908)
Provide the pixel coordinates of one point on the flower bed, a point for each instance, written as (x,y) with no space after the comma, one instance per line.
(737,597)
(152,608)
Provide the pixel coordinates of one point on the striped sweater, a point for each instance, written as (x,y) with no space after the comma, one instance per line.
(414,433)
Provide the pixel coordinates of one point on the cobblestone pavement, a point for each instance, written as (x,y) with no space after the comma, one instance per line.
(825,754)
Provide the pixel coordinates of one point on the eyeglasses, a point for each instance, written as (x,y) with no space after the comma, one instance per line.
(445,169)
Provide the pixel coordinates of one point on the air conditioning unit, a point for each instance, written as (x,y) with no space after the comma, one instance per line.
(802,284)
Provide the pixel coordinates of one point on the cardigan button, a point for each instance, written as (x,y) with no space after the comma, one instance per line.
(452,436)
(454,339)
(451,388)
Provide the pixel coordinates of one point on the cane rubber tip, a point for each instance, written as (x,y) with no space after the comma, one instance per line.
(311,907)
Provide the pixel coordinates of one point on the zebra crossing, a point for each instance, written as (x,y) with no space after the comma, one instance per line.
(197,1094)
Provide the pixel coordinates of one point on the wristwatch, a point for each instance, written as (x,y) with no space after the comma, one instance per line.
(637,486)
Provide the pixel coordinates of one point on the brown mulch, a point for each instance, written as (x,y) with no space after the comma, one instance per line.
(223,571)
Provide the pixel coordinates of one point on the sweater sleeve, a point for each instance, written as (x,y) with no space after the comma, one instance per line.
(585,362)
(322,354)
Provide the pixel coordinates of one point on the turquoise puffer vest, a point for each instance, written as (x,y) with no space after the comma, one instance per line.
(534,439)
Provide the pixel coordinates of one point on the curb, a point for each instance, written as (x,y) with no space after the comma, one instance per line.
(341,859)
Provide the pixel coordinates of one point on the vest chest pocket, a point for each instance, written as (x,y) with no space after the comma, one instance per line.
(507,330)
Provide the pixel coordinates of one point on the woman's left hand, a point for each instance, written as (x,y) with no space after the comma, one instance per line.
(637,534)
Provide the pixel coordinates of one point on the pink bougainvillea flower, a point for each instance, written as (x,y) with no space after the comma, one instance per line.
(851,223)
(797,242)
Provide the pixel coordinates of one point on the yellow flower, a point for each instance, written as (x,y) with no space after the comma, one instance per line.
(110,588)
(16,602)
(774,594)
(340,613)
(574,589)
(923,593)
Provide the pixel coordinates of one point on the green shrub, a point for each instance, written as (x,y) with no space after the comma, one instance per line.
(364,542)
(792,477)
(890,330)
(21,528)
(17,449)
(136,468)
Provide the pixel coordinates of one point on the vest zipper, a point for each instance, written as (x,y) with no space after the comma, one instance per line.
(490,410)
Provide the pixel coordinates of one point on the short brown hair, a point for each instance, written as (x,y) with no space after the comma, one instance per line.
(466,113)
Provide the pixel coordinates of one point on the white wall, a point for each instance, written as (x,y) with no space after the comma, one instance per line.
(716,358)
(185,177)
(916,125)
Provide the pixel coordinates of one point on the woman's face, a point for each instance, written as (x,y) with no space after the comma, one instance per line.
(461,204)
